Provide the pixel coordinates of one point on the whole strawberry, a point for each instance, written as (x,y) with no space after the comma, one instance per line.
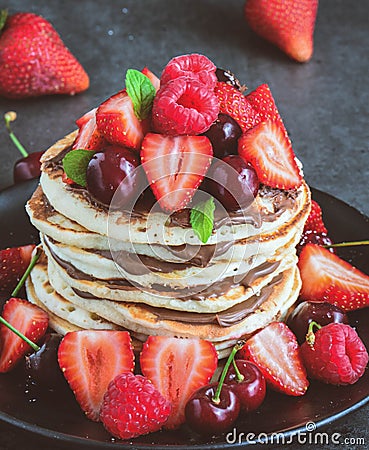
(34,60)
(132,406)
(335,354)
(288,24)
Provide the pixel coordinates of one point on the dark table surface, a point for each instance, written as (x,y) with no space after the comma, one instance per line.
(324,103)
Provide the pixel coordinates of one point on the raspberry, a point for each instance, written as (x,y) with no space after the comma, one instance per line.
(184,106)
(335,354)
(132,406)
(195,66)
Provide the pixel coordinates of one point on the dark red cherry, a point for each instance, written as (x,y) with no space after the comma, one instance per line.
(233,182)
(313,237)
(227,76)
(322,313)
(223,135)
(110,169)
(28,167)
(208,417)
(42,366)
(248,384)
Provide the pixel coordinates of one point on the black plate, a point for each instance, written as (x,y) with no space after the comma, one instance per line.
(58,416)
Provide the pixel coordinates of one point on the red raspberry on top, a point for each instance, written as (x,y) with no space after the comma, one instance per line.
(132,406)
(184,106)
(335,354)
(195,66)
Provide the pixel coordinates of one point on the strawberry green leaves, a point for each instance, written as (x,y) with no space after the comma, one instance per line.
(141,91)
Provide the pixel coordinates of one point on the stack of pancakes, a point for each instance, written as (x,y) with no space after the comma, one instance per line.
(147,272)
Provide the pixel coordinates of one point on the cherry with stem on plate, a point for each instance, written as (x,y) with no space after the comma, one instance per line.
(29,166)
(215,407)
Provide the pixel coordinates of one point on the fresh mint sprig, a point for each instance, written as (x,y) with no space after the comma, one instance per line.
(202,219)
(75,165)
(141,91)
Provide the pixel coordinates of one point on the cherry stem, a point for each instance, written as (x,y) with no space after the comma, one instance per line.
(239,375)
(310,336)
(347,244)
(33,261)
(216,397)
(10,117)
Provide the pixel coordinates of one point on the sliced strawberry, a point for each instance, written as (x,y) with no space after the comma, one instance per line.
(152,77)
(327,277)
(269,150)
(117,122)
(261,99)
(27,318)
(235,104)
(275,351)
(177,368)
(13,262)
(175,166)
(314,221)
(88,137)
(90,359)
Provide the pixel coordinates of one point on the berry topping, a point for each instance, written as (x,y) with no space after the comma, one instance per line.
(288,25)
(313,237)
(309,311)
(314,221)
(275,350)
(175,166)
(227,76)
(133,407)
(184,106)
(88,137)
(100,355)
(224,134)
(195,66)
(233,182)
(152,77)
(112,169)
(26,318)
(235,104)
(327,277)
(118,123)
(177,368)
(13,263)
(269,150)
(334,354)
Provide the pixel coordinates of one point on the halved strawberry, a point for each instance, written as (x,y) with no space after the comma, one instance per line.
(27,318)
(88,137)
(327,277)
(269,150)
(13,262)
(117,122)
(261,99)
(90,359)
(235,104)
(152,77)
(177,368)
(175,167)
(275,350)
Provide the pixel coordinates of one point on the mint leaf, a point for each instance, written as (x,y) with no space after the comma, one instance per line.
(202,219)
(75,165)
(141,91)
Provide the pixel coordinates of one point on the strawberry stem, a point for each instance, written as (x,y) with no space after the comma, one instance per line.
(216,398)
(10,116)
(347,244)
(26,273)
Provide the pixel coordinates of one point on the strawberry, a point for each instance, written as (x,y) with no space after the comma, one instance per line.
(314,221)
(289,25)
(88,137)
(100,355)
(269,150)
(175,166)
(334,354)
(25,317)
(236,105)
(261,99)
(328,278)
(13,262)
(152,77)
(34,60)
(117,122)
(275,350)
(177,368)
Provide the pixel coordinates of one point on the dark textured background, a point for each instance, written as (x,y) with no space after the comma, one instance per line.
(324,103)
